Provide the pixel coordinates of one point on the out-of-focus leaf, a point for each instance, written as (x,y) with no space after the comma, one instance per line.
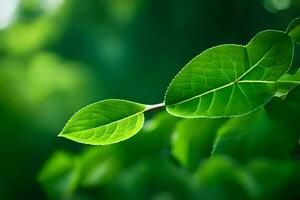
(105,122)
(193,139)
(220,178)
(294,30)
(99,166)
(44,86)
(231,80)
(276,180)
(153,177)
(38,32)
(154,138)
(60,175)
(261,134)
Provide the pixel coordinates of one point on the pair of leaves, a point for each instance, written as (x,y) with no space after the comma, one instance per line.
(227,80)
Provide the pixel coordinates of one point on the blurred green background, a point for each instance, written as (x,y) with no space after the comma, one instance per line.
(57,56)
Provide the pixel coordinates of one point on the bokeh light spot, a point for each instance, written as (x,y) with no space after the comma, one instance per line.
(8,10)
(277,5)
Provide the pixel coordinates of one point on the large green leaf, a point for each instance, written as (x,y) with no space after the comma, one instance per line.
(231,80)
(294,30)
(105,122)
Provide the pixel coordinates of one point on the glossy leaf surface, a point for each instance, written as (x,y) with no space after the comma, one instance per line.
(231,80)
(105,122)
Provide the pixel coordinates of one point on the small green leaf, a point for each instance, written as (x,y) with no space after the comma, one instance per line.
(287,82)
(231,80)
(105,122)
(294,30)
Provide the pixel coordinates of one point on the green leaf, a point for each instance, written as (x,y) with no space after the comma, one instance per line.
(192,140)
(287,82)
(294,30)
(105,122)
(231,80)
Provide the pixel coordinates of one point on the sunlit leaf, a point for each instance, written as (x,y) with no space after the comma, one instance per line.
(105,122)
(231,80)
(294,30)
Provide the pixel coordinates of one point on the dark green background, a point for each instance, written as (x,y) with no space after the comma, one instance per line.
(55,61)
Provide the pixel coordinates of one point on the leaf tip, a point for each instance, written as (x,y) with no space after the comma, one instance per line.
(61,134)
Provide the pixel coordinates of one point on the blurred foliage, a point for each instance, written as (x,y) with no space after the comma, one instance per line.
(260,134)
(59,55)
(193,139)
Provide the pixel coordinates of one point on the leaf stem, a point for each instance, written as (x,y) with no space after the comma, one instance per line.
(154,107)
